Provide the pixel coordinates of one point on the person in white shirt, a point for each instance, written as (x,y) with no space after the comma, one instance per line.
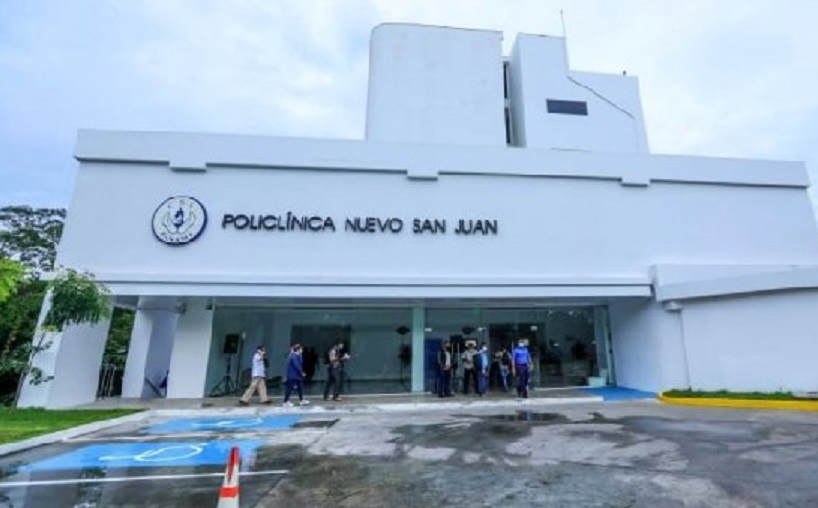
(259,374)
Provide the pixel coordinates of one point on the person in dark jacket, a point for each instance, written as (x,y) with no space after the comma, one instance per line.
(444,370)
(295,376)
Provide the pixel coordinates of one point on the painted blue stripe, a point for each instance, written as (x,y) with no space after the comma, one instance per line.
(167,454)
(619,393)
(226,423)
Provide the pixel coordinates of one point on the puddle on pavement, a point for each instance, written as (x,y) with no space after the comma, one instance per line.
(496,430)
(529,416)
(543,418)
(315,424)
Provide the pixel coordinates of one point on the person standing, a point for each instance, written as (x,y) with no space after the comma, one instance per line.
(258,372)
(444,370)
(335,370)
(295,376)
(521,367)
(483,366)
(505,367)
(469,374)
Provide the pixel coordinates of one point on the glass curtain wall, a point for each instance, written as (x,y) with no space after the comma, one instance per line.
(568,344)
(378,341)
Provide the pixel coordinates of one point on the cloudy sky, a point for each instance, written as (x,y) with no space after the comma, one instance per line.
(726,78)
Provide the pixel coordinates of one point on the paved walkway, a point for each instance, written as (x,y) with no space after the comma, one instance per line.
(391,401)
(546,452)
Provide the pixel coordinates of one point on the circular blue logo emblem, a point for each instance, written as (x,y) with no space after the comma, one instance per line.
(179,220)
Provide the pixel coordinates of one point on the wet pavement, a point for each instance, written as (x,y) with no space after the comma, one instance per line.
(630,453)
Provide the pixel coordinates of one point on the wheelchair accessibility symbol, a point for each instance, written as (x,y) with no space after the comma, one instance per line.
(242,423)
(163,454)
(225,424)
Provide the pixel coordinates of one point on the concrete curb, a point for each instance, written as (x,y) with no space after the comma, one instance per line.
(474,404)
(352,407)
(787,405)
(71,433)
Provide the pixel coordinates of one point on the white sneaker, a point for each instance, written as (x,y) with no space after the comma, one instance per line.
(288,404)
(304,402)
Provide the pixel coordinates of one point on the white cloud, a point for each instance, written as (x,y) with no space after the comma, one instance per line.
(726,78)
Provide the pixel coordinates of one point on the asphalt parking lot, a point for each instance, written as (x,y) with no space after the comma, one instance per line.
(613,454)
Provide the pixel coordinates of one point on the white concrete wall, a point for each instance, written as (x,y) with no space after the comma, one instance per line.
(74,359)
(516,92)
(539,71)
(648,346)
(191,349)
(550,227)
(764,342)
(435,85)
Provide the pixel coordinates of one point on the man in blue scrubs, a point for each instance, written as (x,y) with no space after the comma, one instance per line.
(521,367)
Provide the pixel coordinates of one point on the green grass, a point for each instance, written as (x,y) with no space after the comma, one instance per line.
(19,424)
(724,394)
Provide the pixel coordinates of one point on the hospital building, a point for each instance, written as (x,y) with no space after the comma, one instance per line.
(493,196)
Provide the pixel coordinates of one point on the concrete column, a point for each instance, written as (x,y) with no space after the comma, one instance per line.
(150,346)
(191,350)
(74,359)
(133,377)
(418,350)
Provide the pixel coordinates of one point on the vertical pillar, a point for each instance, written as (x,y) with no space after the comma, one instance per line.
(418,349)
(157,364)
(133,377)
(74,359)
(150,346)
(191,350)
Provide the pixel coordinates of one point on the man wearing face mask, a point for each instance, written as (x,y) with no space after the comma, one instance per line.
(521,367)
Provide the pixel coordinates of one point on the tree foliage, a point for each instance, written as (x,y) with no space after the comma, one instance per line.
(11,273)
(18,320)
(28,246)
(30,235)
(119,337)
(76,298)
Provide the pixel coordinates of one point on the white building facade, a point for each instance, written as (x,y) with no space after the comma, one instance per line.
(493,198)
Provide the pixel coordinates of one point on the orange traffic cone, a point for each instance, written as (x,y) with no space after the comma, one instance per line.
(229,493)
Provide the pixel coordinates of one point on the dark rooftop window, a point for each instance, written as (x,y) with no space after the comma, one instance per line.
(567,107)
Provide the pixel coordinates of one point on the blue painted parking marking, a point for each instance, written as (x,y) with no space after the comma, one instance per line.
(114,455)
(225,423)
(619,393)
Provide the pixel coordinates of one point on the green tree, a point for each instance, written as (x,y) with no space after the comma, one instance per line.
(75,298)
(30,235)
(11,273)
(119,337)
(18,321)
